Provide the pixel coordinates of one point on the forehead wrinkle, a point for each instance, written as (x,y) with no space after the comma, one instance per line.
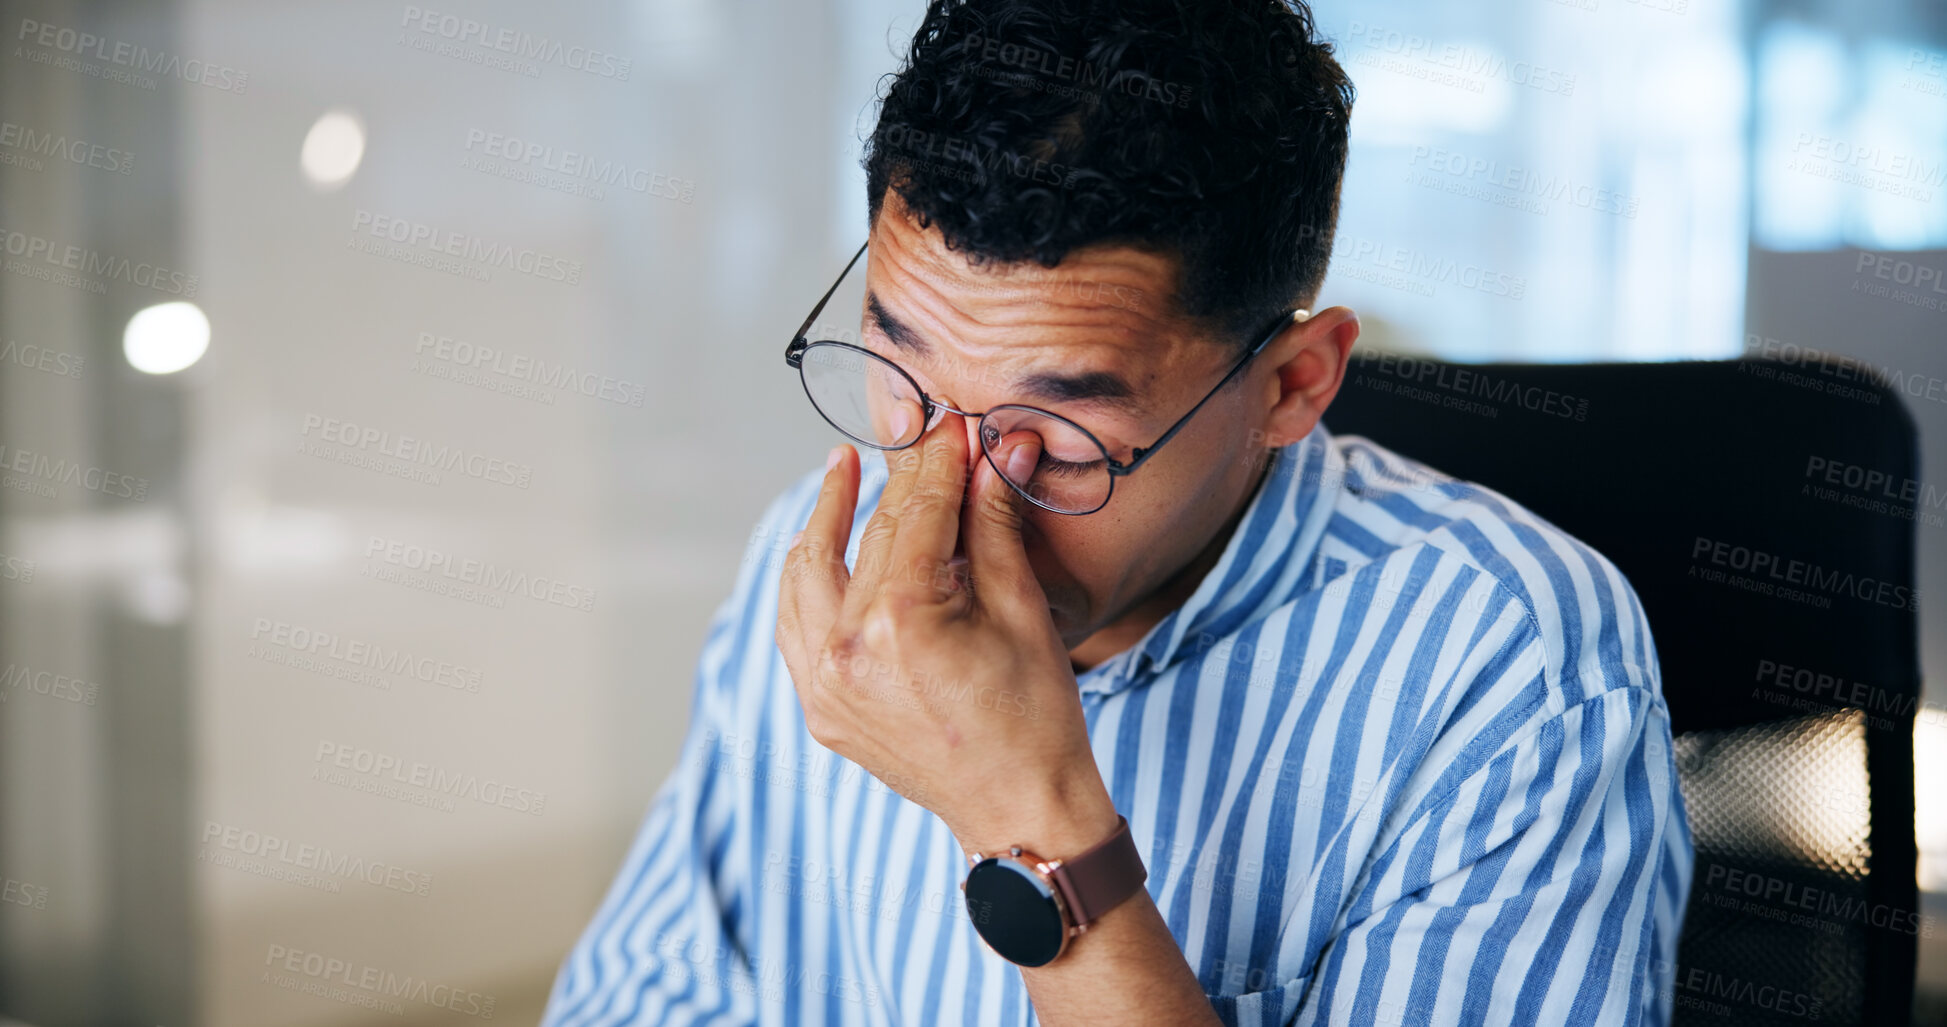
(1027,288)
(926,281)
(1110,389)
(1106,389)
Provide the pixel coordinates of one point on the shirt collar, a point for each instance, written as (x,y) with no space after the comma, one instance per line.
(1267,560)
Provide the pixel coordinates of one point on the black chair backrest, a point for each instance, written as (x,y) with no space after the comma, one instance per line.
(1764,513)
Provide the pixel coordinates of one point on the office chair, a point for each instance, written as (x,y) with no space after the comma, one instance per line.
(1792,687)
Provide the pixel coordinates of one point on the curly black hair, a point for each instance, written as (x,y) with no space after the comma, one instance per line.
(1210,131)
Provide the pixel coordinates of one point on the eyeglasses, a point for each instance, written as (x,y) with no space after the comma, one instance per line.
(872,401)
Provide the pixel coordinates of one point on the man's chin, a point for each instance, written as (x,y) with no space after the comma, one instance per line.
(1062,608)
(1073,631)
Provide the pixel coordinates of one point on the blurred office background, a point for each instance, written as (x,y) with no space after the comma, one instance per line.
(210,567)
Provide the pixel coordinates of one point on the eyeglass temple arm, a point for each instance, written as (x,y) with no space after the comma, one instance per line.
(797,344)
(1138,456)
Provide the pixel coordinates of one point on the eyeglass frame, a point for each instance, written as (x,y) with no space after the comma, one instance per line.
(794,354)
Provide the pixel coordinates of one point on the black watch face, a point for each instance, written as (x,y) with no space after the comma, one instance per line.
(1015,912)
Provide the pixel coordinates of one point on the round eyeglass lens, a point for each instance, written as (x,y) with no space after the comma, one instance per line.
(861,394)
(1059,466)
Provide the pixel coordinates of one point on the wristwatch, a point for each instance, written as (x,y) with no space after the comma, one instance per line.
(1027,908)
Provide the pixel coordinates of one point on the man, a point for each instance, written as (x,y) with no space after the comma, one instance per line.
(1099,682)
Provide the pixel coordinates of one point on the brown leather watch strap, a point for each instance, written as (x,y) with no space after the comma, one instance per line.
(1100,879)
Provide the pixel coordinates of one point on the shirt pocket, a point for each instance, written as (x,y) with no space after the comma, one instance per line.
(1271,1006)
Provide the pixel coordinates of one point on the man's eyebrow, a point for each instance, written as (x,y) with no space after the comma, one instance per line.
(901,334)
(1104,387)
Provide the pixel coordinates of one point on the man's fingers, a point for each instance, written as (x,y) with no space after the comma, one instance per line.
(815,580)
(875,542)
(929,516)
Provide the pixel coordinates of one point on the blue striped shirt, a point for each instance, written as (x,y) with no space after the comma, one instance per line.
(1403,758)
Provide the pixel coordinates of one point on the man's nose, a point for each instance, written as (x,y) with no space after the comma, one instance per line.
(973,442)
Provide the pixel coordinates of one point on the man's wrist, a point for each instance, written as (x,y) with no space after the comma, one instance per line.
(1068,819)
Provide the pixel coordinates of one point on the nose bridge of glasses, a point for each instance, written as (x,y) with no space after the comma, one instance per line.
(941,408)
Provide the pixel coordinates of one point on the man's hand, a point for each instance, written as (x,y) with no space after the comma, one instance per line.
(948,683)
(954,688)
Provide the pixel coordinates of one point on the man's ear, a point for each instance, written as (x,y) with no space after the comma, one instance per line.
(1310,358)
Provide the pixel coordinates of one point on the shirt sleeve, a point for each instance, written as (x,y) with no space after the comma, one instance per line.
(1527,893)
(667,945)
